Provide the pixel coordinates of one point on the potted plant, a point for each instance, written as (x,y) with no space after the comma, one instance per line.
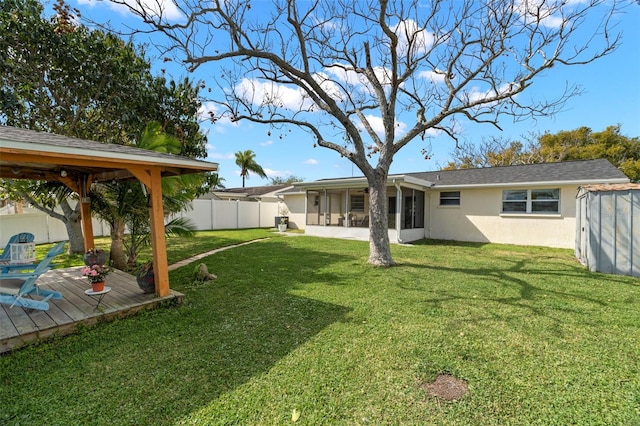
(145,278)
(96,275)
(95,256)
(283,211)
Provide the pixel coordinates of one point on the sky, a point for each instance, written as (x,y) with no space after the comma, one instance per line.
(611,97)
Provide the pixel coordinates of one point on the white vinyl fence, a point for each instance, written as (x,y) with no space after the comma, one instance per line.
(205,214)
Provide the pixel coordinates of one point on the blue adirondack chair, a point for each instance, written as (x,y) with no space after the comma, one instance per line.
(15,286)
(23,237)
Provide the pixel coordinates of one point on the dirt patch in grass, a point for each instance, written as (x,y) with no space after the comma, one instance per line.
(446,387)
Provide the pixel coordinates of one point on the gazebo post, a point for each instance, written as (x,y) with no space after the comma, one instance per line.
(87,225)
(158,240)
(152,180)
(85,212)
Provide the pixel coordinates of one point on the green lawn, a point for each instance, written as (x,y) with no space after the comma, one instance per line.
(301,323)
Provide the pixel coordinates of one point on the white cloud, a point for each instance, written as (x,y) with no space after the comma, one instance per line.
(165,8)
(433,132)
(205,109)
(346,74)
(411,36)
(266,143)
(219,156)
(311,161)
(432,76)
(377,125)
(544,12)
(221,123)
(275,173)
(269,93)
(328,85)
(475,94)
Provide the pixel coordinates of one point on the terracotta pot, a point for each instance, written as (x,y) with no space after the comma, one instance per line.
(99,286)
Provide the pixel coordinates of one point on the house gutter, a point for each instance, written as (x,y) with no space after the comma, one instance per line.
(359,182)
(528,184)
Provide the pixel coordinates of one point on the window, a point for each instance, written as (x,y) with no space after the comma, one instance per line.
(545,200)
(514,201)
(392,205)
(412,209)
(357,203)
(451,198)
(531,201)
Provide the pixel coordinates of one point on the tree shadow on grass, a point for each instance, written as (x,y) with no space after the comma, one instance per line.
(161,366)
(536,291)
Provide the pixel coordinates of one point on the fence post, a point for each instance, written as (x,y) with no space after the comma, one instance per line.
(212,208)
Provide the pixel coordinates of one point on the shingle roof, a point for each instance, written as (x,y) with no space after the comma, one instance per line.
(587,171)
(33,137)
(29,154)
(252,191)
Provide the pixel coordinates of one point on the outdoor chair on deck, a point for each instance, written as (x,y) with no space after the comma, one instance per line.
(23,237)
(15,286)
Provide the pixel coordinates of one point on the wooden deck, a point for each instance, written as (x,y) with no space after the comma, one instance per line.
(19,326)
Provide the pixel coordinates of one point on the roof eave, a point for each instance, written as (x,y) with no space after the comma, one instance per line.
(537,183)
(358,182)
(46,150)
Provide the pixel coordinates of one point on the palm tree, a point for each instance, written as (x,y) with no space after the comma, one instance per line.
(123,204)
(247,163)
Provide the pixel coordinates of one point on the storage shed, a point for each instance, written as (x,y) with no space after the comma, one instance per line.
(608,228)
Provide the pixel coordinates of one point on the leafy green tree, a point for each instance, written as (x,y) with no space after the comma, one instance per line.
(123,204)
(566,145)
(584,144)
(60,77)
(278,180)
(365,70)
(246,160)
(66,79)
(212,181)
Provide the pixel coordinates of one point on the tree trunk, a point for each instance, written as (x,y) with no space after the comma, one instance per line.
(74,231)
(73,224)
(379,249)
(117,254)
(71,218)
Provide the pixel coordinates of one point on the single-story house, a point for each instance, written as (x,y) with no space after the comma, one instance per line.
(531,204)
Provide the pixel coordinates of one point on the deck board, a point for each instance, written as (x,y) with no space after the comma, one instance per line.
(19,326)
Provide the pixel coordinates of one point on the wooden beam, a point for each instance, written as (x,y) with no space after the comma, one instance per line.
(87,226)
(84,185)
(70,183)
(158,240)
(143,175)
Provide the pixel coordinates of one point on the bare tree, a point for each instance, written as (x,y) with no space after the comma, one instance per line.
(492,152)
(361,69)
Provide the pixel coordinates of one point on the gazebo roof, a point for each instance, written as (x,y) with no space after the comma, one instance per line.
(29,154)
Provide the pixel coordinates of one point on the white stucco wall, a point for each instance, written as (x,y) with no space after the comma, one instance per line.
(296,205)
(478,219)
